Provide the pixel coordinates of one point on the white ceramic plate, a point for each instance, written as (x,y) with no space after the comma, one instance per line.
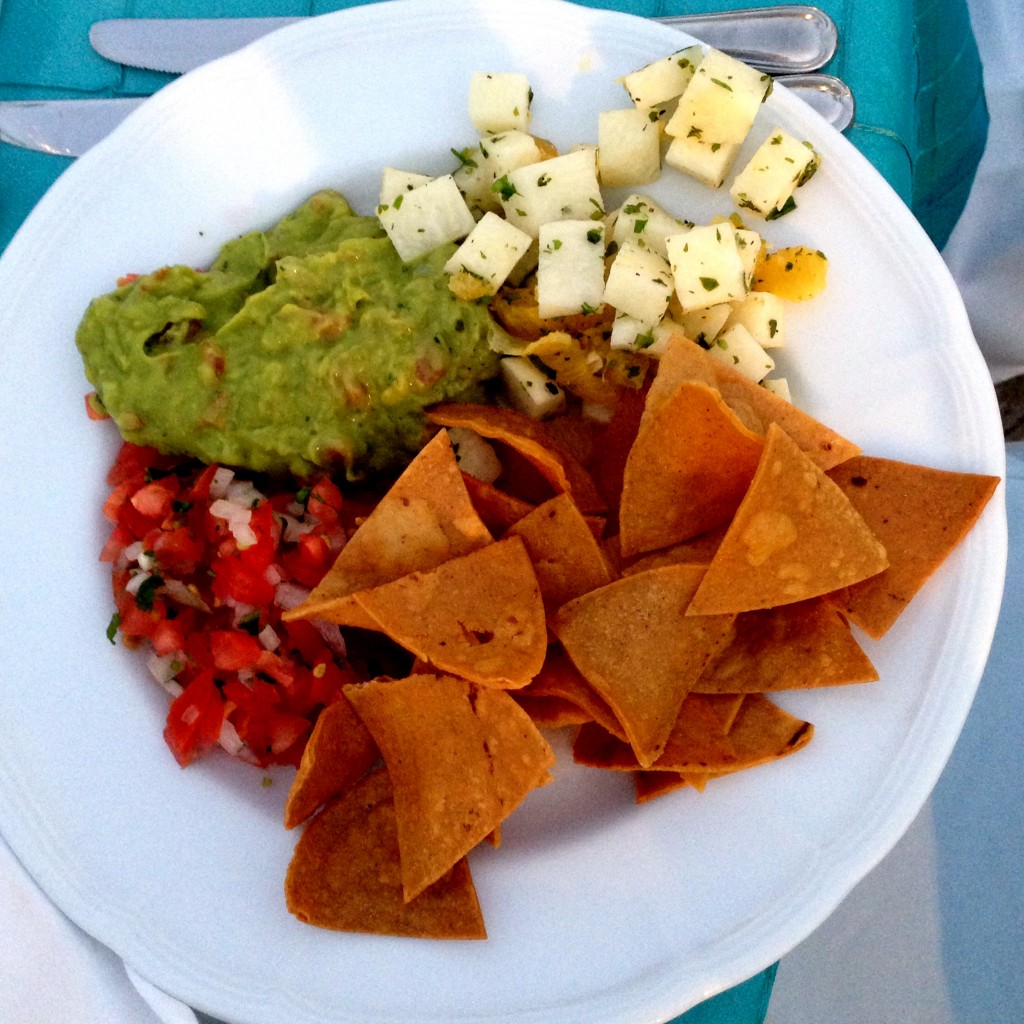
(598,911)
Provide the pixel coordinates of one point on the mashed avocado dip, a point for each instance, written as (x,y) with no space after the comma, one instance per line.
(310,345)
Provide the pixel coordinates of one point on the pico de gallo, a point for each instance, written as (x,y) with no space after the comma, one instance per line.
(203,563)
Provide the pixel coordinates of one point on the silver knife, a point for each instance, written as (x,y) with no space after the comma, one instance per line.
(791,39)
(70,127)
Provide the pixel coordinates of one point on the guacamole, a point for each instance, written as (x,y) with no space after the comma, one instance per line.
(306,346)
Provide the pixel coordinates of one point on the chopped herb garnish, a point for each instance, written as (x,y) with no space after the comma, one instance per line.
(504,187)
(710,283)
(780,211)
(250,623)
(466,162)
(724,85)
(594,235)
(112,626)
(147,592)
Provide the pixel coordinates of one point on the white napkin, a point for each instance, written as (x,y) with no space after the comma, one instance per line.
(51,971)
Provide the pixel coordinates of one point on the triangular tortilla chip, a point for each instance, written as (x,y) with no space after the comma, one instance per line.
(763,732)
(920,515)
(614,443)
(339,751)
(633,643)
(424,519)
(698,550)
(792,647)
(794,536)
(498,509)
(687,471)
(559,679)
(528,437)
(697,743)
(566,557)
(461,759)
(479,616)
(345,874)
(757,407)
(550,712)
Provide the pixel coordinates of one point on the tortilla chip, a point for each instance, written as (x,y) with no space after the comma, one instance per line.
(696,743)
(633,642)
(550,712)
(650,785)
(699,746)
(725,705)
(756,407)
(763,732)
(339,751)
(566,557)
(479,616)
(498,509)
(345,874)
(920,515)
(614,444)
(792,647)
(698,550)
(795,536)
(688,470)
(424,519)
(559,679)
(528,437)
(461,759)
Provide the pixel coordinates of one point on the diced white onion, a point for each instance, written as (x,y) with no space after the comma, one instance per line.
(290,595)
(269,638)
(185,595)
(219,484)
(229,739)
(133,550)
(133,585)
(164,668)
(243,493)
(332,637)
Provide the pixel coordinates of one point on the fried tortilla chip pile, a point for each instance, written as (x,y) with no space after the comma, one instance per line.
(714,551)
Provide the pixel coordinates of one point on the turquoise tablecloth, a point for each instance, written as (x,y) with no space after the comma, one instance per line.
(914,69)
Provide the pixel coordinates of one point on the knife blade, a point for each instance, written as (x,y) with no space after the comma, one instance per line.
(71,127)
(790,39)
(62,127)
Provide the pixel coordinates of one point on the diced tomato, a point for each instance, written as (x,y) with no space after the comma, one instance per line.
(118,540)
(94,407)
(177,550)
(308,562)
(203,580)
(200,489)
(132,462)
(168,636)
(195,720)
(233,579)
(233,649)
(155,499)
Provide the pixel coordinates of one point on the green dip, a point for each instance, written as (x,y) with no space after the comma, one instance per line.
(307,346)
